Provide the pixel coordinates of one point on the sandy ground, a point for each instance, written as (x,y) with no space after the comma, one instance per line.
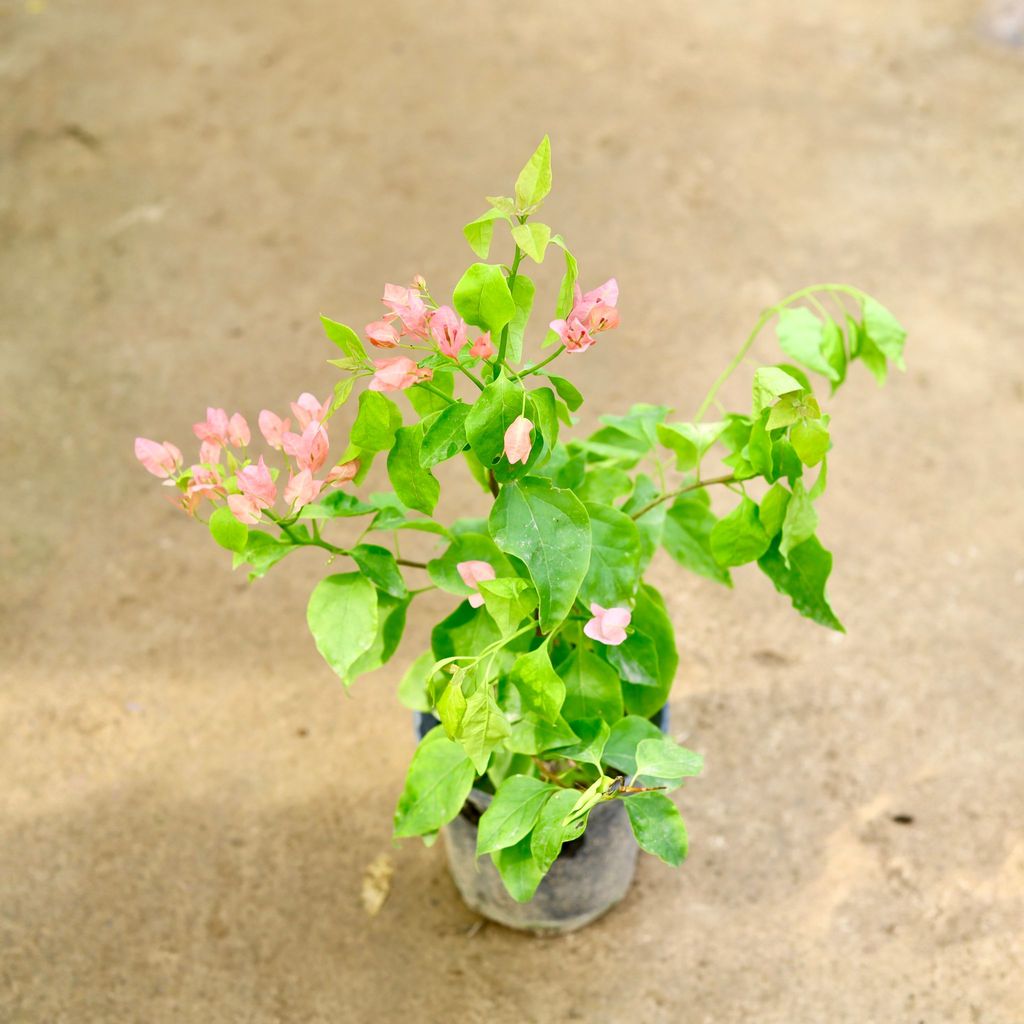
(188,800)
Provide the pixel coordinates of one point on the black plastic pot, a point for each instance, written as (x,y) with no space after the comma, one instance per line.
(590,876)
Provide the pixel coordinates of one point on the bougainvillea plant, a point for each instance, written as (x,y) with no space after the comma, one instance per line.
(548,676)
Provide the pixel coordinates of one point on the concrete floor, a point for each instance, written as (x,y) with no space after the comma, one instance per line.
(189,802)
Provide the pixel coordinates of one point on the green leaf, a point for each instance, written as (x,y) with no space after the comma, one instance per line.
(227,531)
(378,565)
(834,349)
(512,813)
(614,557)
(466,547)
(522,296)
(689,441)
(342,616)
(533,239)
(801,335)
(446,435)
(480,231)
(415,486)
(803,580)
(483,727)
(593,735)
(651,619)
(375,423)
(503,204)
(426,402)
(627,732)
(390,627)
(451,706)
(565,290)
(342,390)
(759,447)
(773,509)
(662,758)
(509,601)
(567,391)
(687,536)
(519,872)
(345,338)
(466,632)
(862,347)
(261,553)
(336,505)
(801,520)
(604,485)
(592,688)
(393,515)
(540,687)
(636,660)
(791,408)
(771,383)
(532,735)
(810,439)
(494,411)
(739,537)
(545,410)
(658,826)
(534,181)
(439,780)
(884,331)
(482,298)
(550,832)
(412,690)
(549,531)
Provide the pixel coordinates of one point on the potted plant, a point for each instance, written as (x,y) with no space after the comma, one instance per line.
(543,745)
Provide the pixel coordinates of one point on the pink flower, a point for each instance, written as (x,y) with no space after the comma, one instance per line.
(573,334)
(398,374)
(302,489)
(162,460)
(473,573)
(308,409)
(584,303)
(608,626)
(591,313)
(244,509)
(343,472)
(238,431)
(382,334)
(482,347)
(448,330)
(273,427)
(517,440)
(204,483)
(408,305)
(255,482)
(214,427)
(209,451)
(309,449)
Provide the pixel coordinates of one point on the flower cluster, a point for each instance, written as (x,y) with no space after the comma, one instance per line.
(249,488)
(417,322)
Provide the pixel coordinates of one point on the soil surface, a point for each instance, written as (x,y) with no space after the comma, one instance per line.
(189,801)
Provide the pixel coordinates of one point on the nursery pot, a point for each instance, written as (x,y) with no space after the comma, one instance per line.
(589,877)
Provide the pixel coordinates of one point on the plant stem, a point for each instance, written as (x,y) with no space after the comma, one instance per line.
(682,490)
(470,374)
(503,344)
(544,362)
(437,391)
(319,542)
(767,315)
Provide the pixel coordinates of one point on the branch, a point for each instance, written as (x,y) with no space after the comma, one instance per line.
(730,479)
